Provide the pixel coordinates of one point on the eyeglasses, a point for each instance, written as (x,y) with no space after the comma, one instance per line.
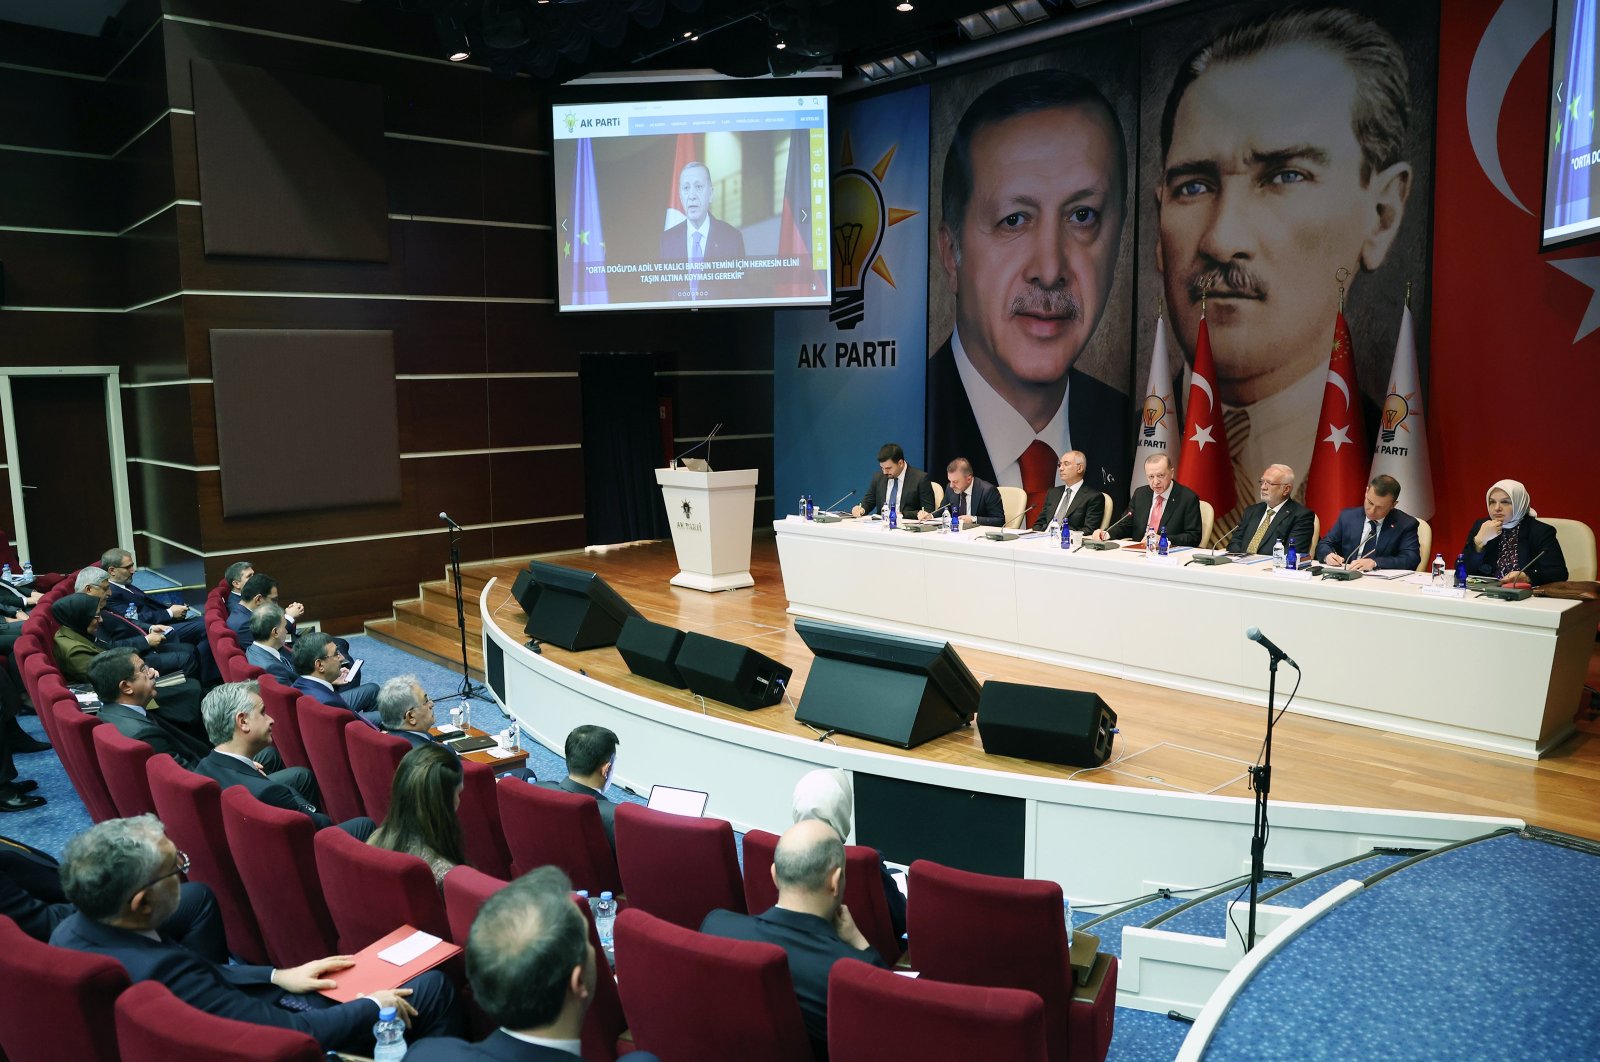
(182,867)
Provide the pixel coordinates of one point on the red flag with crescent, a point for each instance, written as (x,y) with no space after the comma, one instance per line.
(1338,474)
(1204,465)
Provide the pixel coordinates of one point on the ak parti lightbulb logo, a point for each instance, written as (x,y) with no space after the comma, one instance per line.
(1396,408)
(1156,410)
(861,216)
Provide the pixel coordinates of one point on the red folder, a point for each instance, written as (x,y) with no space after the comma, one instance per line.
(372,974)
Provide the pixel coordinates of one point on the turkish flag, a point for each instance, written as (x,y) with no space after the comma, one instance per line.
(1339,461)
(1204,465)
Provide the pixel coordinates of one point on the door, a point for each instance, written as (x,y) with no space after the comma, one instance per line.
(63,460)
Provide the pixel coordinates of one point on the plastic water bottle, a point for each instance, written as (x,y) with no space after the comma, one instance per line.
(1161,543)
(1149,542)
(1054,531)
(883,514)
(811,507)
(1066,535)
(1461,571)
(5,572)
(27,570)
(1068,901)
(894,517)
(804,515)
(132,611)
(1279,558)
(955,519)
(1291,558)
(1438,570)
(605,921)
(584,894)
(390,1034)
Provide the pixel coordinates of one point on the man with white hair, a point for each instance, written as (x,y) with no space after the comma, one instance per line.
(1277,517)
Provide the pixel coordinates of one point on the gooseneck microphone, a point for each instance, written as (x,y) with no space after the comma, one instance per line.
(703,442)
(1255,635)
(446,518)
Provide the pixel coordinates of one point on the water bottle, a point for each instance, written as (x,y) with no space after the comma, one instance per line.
(1461,571)
(894,517)
(1066,535)
(1068,902)
(132,611)
(1438,571)
(605,921)
(811,507)
(1161,543)
(955,519)
(27,570)
(1279,558)
(804,510)
(1149,542)
(5,573)
(883,514)
(1291,558)
(583,894)
(390,1034)
(1054,530)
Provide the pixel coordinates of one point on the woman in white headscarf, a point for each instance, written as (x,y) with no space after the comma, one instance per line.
(1511,544)
(826,795)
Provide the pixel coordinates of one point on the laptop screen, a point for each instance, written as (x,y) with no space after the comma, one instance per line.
(678,801)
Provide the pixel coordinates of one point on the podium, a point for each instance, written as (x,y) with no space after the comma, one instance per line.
(712,515)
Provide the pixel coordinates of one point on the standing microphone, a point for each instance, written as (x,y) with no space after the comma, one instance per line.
(1255,635)
(446,518)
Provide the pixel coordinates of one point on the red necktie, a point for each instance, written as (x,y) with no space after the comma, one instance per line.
(1038,463)
(1155,514)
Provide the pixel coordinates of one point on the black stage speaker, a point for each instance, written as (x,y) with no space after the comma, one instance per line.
(651,650)
(570,608)
(1069,727)
(731,673)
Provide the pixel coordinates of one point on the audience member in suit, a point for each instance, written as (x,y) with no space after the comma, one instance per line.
(1081,505)
(257,590)
(31,896)
(123,877)
(162,652)
(320,667)
(405,710)
(975,500)
(186,625)
(1178,510)
(241,732)
(76,650)
(16,794)
(827,794)
(125,686)
(1275,518)
(423,803)
(1511,543)
(236,575)
(591,753)
(1374,534)
(909,488)
(809,922)
(269,630)
(533,972)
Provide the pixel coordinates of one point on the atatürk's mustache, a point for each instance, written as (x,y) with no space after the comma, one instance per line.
(1226,280)
(1039,302)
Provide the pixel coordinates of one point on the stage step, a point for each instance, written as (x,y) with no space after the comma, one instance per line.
(446,652)
(437,615)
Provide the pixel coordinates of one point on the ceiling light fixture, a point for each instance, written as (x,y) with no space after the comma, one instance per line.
(453,39)
(904,6)
(782,45)
(1002,17)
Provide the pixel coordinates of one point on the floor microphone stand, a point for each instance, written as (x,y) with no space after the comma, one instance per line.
(469,689)
(1261,782)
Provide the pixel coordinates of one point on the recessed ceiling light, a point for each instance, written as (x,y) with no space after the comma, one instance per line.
(903,6)
(782,45)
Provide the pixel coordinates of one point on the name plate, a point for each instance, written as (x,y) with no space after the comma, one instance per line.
(1292,573)
(1444,591)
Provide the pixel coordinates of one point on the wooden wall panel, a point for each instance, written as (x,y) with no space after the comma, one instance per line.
(167,501)
(52,269)
(57,192)
(552,537)
(150,260)
(43,110)
(517,187)
(535,412)
(150,343)
(443,415)
(456,485)
(536,483)
(159,422)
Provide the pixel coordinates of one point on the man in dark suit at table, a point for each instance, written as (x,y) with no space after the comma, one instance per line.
(1374,534)
(182,623)
(1275,518)
(1080,505)
(320,667)
(809,922)
(1162,502)
(533,971)
(976,501)
(122,875)
(896,483)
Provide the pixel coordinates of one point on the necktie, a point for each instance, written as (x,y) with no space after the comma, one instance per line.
(1038,464)
(1155,514)
(1366,536)
(894,494)
(1261,530)
(696,247)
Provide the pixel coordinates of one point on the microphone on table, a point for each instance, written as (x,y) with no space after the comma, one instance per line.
(703,442)
(846,496)
(1255,635)
(446,518)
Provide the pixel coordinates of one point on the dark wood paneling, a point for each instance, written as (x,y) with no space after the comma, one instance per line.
(151,343)
(157,422)
(443,414)
(282,274)
(57,192)
(517,262)
(64,113)
(441,337)
(439,180)
(536,483)
(459,486)
(184,157)
(517,188)
(50,269)
(523,539)
(57,50)
(61,338)
(177,564)
(524,338)
(205,312)
(741,404)
(168,501)
(150,254)
(441,259)
(535,412)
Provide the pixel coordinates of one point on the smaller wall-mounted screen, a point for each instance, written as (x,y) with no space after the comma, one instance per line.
(1572,167)
(692,203)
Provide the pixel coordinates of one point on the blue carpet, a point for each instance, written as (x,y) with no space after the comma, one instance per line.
(1145,1036)
(47,828)
(1481,951)
(1110,930)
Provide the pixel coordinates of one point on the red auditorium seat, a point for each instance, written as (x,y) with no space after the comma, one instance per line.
(465,890)
(928,1019)
(278,701)
(153,1025)
(675,867)
(74,743)
(190,806)
(548,827)
(863,889)
(277,862)
(58,1003)
(371,891)
(322,728)
(122,761)
(978,929)
(480,819)
(374,758)
(688,995)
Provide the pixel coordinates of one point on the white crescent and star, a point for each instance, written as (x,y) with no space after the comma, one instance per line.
(1202,434)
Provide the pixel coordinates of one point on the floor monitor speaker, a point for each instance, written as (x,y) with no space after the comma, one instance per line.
(651,650)
(731,673)
(1069,727)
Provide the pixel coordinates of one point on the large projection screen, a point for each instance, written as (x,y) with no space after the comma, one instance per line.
(692,203)
(1571,205)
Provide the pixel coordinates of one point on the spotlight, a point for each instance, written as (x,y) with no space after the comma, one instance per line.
(904,6)
(453,39)
(781,46)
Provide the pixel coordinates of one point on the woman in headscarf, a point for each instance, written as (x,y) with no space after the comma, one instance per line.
(826,794)
(79,616)
(1511,544)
